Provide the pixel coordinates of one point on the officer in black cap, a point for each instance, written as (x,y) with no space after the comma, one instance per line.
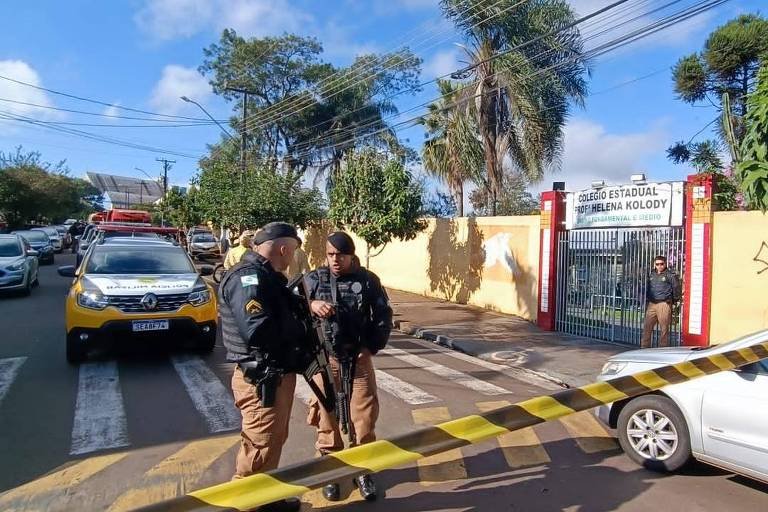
(259,332)
(357,321)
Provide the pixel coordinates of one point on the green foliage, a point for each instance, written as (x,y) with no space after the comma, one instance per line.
(524,92)
(752,170)
(439,205)
(182,209)
(232,198)
(34,190)
(728,64)
(376,198)
(704,155)
(513,200)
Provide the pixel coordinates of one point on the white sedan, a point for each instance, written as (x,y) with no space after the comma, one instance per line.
(721,419)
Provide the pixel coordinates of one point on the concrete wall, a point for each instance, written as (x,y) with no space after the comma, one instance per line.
(491,262)
(739,274)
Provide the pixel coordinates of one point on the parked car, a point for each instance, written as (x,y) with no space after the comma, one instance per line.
(203,245)
(138,290)
(40,242)
(53,234)
(66,238)
(720,419)
(18,264)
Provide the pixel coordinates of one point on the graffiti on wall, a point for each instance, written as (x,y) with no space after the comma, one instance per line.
(762,257)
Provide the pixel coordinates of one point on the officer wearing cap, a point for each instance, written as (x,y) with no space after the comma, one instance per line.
(354,307)
(259,332)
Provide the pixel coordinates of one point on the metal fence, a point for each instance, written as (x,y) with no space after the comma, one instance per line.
(601,280)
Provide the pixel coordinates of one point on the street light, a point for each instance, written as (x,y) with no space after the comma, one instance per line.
(184,98)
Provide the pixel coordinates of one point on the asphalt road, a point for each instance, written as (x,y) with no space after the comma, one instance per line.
(131,428)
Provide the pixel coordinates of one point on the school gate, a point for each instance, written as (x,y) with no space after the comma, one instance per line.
(597,250)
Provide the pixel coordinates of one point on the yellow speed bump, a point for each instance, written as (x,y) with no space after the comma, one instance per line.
(257,490)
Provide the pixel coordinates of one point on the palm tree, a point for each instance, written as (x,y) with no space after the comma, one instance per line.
(452,151)
(525,68)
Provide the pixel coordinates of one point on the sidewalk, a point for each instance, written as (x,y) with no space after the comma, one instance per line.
(568,361)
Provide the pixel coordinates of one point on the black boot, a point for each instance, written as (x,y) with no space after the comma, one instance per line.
(286,505)
(367,487)
(332,492)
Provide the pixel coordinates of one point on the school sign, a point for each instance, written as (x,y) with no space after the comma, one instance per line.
(652,204)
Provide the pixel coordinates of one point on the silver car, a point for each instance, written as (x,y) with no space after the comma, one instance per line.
(720,419)
(56,240)
(18,264)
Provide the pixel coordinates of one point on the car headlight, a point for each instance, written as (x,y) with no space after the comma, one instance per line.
(91,297)
(200,294)
(613,368)
(16,267)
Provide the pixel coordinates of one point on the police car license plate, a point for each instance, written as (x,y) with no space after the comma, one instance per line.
(150,325)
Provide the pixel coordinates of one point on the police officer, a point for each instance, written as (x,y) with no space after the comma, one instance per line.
(354,306)
(662,292)
(259,332)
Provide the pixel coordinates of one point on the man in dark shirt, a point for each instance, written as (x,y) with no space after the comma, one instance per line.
(661,292)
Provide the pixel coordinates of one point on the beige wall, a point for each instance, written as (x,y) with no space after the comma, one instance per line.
(491,262)
(739,279)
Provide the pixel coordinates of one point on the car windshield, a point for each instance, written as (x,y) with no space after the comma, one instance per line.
(48,231)
(62,230)
(34,236)
(9,247)
(138,260)
(130,234)
(203,238)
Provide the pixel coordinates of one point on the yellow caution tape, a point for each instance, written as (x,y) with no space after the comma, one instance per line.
(256,490)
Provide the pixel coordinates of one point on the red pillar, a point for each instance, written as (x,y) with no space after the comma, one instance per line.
(697,289)
(552,223)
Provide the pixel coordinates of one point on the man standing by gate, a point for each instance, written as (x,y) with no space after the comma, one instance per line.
(662,291)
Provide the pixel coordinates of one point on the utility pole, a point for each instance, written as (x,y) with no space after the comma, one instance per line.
(166,166)
(243,132)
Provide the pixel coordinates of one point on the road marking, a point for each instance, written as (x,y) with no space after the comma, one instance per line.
(9,370)
(405,391)
(458,377)
(303,392)
(211,399)
(521,448)
(588,433)
(175,475)
(441,467)
(54,491)
(100,422)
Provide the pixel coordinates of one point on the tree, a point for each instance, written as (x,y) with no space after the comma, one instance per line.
(255,197)
(514,198)
(32,190)
(439,205)
(526,68)
(182,209)
(728,66)
(752,170)
(452,151)
(376,198)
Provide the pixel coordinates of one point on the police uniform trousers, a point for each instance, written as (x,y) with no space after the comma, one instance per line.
(364,407)
(661,313)
(265,429)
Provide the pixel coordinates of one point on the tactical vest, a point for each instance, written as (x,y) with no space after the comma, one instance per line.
(349,294)
(238,349)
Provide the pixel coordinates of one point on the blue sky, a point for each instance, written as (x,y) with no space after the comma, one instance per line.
(143,54)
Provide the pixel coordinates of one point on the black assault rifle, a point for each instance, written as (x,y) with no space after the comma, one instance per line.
(314,358)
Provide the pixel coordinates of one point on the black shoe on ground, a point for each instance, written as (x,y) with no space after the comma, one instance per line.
(286,505)
(367,487)
(332,492)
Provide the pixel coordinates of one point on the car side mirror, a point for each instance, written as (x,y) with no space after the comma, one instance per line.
(32,252)
(206,270)
(67,271)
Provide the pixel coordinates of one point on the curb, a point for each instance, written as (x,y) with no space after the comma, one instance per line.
(442,340)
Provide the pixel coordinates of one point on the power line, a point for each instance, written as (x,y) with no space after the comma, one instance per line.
(97,102)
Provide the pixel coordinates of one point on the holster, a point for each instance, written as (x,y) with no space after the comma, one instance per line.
(264,378)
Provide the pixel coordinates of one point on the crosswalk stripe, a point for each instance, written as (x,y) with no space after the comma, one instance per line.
(441,467)
(175,475)
(52,492)
(456,376)
(405,391)
(211,399)
(9,370)
(100,422)
(521,448)
(589,435)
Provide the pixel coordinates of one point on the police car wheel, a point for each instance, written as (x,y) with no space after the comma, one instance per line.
(653,433)
(76,350)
